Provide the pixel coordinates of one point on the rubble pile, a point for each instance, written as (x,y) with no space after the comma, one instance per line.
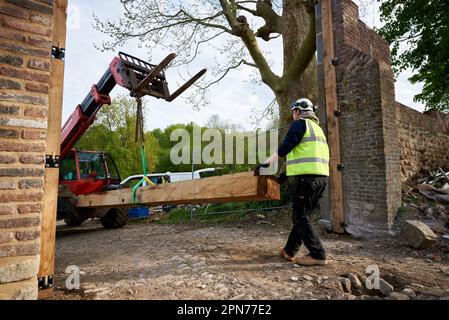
(427,207)
(435,186)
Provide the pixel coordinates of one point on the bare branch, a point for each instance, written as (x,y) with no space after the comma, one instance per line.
(253,12)
(304,55)
(197,47)
(223,75)
(243,30)
(268,77)
(206,24)
(258,116)
(233,8)
(151,22)
(264,9)
(230,16)
(250,64)
(185,27)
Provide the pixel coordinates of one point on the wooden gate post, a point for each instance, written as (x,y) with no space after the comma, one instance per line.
(333,125)
(48,229)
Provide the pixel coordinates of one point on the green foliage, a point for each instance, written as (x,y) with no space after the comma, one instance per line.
(178,215)
(220,213)
(114,133)
(228,130)
(409,198)
(401,215)
(402,211)
(424,27)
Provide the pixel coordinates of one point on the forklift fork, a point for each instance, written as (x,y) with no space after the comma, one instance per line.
(143,78)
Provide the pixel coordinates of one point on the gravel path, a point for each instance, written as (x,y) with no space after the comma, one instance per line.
(152,261)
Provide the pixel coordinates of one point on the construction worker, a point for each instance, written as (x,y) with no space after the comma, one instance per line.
(307,152)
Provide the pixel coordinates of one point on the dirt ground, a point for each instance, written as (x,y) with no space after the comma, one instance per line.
(234,261)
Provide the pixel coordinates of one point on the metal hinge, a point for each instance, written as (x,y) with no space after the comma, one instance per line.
(341,167)
(45,283)
(52,161)
(58,53)
(334,62)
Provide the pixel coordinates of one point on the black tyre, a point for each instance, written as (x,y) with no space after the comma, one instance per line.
(69,213)
(115,218)
(73,220)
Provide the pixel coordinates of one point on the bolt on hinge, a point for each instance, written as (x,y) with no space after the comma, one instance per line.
(58,53)
(341,167)
(45,283)
(52,161)
(334,61)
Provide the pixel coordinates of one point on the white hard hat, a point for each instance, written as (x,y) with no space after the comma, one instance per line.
(303,105)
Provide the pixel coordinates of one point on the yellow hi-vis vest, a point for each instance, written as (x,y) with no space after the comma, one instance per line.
(311,155)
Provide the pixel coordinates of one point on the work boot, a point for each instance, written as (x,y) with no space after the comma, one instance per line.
(285,256)
(308,261)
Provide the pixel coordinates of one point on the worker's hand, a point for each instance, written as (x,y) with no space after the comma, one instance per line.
(273,159)
(282,178)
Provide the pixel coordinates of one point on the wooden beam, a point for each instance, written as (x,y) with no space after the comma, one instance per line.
(48,228)
(229,188)
(333,125)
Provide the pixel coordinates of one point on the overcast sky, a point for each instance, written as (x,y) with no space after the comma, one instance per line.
(233,99)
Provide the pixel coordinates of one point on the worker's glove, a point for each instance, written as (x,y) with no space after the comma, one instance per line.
(282,178)
(273,159)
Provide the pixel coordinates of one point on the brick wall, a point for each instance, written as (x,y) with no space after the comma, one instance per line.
(354,34)
(25,44)
(424,141)
(383,143)
(369,134)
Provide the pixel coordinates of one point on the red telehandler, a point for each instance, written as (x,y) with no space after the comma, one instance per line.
(85,172)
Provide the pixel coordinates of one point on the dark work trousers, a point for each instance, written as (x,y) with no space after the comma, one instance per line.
(307,191)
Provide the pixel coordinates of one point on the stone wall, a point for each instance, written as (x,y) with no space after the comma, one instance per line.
(25,46)
(424,141)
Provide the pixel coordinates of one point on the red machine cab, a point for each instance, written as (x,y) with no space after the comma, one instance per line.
(85,172)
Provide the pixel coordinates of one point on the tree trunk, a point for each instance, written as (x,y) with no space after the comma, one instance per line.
(295,24)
